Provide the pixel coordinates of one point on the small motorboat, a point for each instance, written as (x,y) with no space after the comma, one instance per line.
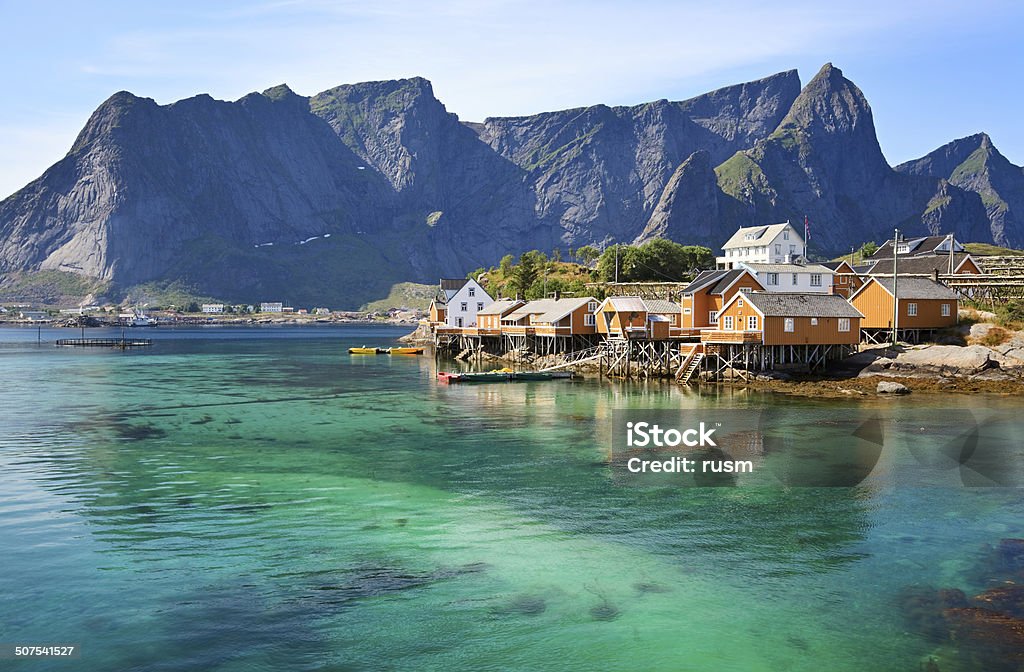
(541,375)
(366,351)
(405,351)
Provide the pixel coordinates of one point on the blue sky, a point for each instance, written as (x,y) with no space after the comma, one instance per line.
(932,71)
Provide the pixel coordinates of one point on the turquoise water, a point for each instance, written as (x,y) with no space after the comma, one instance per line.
(258,499)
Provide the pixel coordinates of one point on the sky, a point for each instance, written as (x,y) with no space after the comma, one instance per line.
(932,71)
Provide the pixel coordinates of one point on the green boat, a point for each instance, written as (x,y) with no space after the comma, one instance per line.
(540,375)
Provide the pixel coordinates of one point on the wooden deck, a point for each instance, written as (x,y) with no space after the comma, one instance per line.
(716,336)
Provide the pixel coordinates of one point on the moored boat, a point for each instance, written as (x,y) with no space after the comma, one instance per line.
(500,376)
(366,351)
(405,351)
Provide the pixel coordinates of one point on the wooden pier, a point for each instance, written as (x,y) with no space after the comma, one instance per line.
(120,343)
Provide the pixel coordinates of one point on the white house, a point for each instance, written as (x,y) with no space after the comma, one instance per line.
(213,308)
(770,244)
(803,278)
(271,307)
(463,299)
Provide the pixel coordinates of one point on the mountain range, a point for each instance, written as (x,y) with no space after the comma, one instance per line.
(333,198)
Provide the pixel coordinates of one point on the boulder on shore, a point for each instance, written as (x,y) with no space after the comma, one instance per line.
(889,387)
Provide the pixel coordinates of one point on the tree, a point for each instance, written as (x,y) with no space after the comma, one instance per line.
(588,254)
(192,307)
(531,265)
(867,249)
(506,265)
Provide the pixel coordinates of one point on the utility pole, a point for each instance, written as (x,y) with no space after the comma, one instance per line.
(895,288)
(952,244)
(616,263)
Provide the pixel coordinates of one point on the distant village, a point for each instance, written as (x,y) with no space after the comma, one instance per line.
(763,307)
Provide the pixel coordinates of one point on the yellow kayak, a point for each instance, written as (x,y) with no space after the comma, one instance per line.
(405,351)
(365,351)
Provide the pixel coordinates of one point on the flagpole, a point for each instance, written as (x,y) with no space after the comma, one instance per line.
(895,289)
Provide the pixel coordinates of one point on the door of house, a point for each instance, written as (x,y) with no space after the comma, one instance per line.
(460,322)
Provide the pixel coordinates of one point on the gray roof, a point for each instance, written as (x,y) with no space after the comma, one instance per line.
(561,308)
(715,282)
(833,265)
(453,284)
(924,264)
(538,307)
(921,245)
(917,288)
(662,306)
(789,268)
(760,235)
(627,304)
(786,304)
(499,307)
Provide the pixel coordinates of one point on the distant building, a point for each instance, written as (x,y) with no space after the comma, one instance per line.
(704,297)
(926,245)
(34,315)
(271,307)
(213,308)
(845,279)
(321,311)
(769,244)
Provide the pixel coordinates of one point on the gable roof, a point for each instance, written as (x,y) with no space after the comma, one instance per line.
(537,307)
(716,282)
(662,306)
(500,307)
(757,235)
(834,266)
(795,304)
(562,307)
(924,264)
(625,304)
(920,245)
(789,268)
(453,284)
(921,289)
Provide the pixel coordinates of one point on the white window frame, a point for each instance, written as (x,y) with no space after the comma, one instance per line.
(796,280)
(785,235)
(751,322)
(463,306)
(472,291)
(589,320)
(844,324)
(479,305)
(814,321)
(778,248)
(592,306)
(772,279)
(789,325)
(946,310)
(815,279)
(727,322)
(739,303)
(911,310)
(686,311)
(712,317)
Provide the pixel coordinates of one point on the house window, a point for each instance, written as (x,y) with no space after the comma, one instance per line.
(814,321)
(794,278)
(815,279)
(844,324)
(463,306)
(789,325)
(773,278)
(842,279)
(945,310)
(911,309)
(588,320)
(686,311)
(903,249)
(785,235)
(712,317)
(472,291)
(480,306)
(727,322)
(739,303)
(592,306)
(751,322)
(778,248)
(792,249)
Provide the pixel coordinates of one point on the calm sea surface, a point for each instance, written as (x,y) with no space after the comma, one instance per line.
(257,499)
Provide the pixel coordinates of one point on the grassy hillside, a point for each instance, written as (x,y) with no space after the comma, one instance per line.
(986,250)
(404,295)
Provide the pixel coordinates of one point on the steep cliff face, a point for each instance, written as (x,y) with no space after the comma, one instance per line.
(597,173)
(333,198)
(975,165)
(823,161)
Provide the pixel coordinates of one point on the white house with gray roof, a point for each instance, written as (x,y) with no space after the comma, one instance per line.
(803,278)
(768,244)
(462,300)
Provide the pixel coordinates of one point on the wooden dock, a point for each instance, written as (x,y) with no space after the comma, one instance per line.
(122,343)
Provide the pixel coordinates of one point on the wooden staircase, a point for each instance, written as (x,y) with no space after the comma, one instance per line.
(691,365)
